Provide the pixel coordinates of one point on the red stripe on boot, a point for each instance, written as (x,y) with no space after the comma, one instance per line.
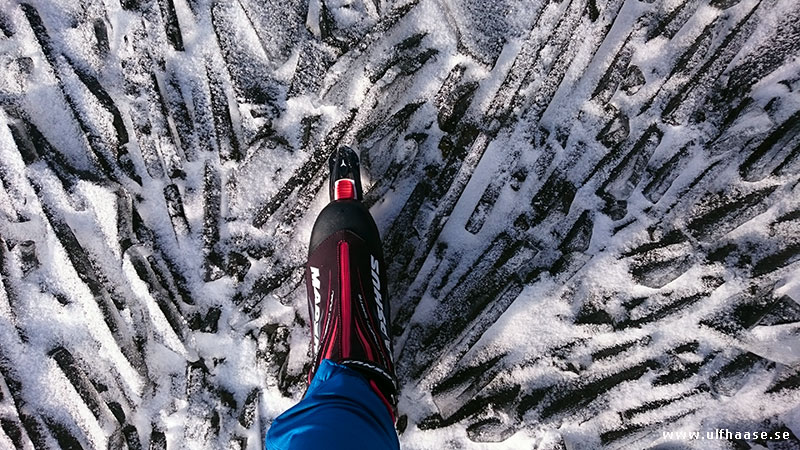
(329,350)
(383,399)
(364,342)
(344,284)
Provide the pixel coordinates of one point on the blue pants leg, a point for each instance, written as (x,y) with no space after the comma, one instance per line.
(339,411)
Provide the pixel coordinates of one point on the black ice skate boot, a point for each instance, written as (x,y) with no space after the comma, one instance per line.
(347,298)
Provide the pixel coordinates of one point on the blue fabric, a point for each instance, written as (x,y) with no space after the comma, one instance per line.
(340,411)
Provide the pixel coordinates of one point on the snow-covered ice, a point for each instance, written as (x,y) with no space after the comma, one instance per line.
(590,211)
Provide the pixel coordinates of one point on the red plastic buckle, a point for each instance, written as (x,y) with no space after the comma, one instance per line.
(345,189)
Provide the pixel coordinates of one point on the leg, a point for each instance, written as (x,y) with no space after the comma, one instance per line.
(340,411)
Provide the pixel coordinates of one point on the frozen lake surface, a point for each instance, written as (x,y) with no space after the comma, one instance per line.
(590,212)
